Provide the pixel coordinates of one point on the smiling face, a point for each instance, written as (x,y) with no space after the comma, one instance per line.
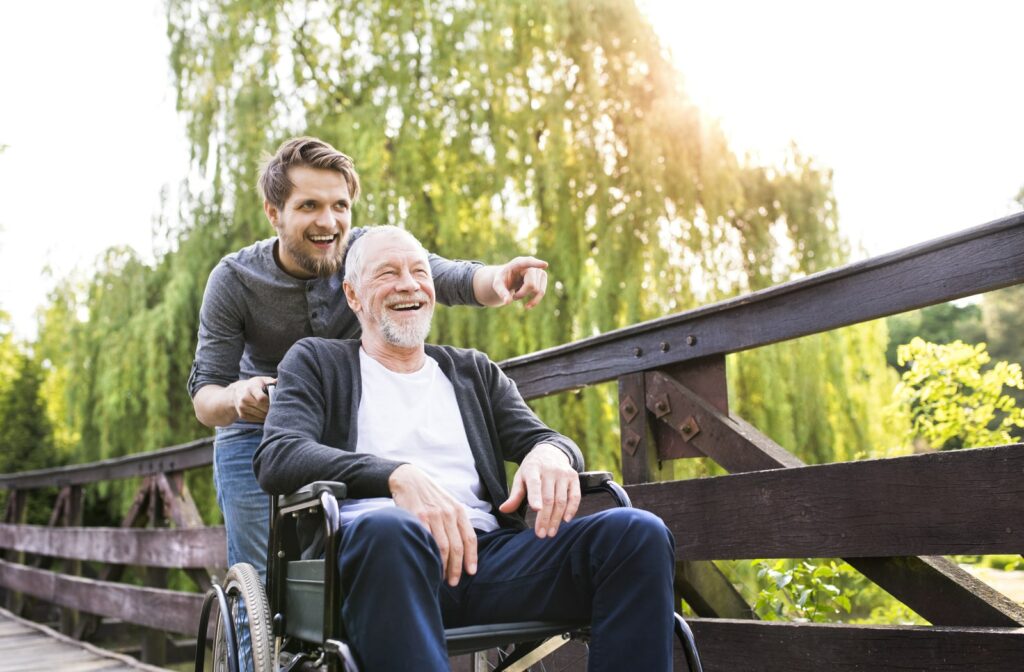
(312,226)
(392,292)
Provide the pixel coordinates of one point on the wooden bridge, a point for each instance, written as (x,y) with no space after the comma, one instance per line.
(894,520)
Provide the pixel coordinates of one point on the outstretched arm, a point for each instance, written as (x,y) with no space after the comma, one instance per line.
(521,278)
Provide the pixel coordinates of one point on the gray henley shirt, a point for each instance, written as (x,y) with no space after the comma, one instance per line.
(253,312)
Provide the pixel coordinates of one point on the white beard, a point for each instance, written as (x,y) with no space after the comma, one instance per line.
(407,333)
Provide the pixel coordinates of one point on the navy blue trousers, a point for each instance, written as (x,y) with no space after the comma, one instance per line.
(613,568)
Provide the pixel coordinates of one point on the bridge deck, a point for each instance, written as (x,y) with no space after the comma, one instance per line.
(29,646)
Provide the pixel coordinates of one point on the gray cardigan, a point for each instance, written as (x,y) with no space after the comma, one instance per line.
(310,433)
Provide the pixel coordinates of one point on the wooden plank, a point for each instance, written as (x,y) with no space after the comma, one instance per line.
(174,458)
(42,648)
(968,501)
(150,607)
(934,587)
(976,260)
(136,517)
(940,591)
(171,548)
(730,645)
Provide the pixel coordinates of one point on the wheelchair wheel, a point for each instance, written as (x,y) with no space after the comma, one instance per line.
(250,613)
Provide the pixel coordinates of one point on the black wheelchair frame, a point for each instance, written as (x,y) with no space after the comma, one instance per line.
(305,601)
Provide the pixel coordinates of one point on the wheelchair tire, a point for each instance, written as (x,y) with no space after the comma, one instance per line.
(250,612)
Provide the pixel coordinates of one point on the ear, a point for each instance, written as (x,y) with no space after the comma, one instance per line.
(350,296)
(272,213)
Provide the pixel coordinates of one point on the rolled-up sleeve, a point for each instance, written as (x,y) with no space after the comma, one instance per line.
(453,280)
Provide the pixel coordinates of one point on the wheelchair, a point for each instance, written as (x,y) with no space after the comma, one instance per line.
(295,624)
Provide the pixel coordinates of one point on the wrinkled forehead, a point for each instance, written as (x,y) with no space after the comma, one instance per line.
(394,249)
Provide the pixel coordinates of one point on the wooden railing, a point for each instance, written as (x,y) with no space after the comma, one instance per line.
(162,530)
(892,519)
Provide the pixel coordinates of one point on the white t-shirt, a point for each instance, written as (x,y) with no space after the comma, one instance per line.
(414,417)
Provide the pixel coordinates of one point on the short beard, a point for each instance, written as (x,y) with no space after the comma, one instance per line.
(407,334)
(320,266)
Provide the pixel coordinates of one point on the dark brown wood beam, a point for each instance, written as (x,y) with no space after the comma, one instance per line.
(732,645)
(709,592)
(966,501)
(973,261)
(933,586)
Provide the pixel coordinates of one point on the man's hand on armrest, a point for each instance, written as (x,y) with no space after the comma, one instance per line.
(247,399)
(441,514)
(551,486)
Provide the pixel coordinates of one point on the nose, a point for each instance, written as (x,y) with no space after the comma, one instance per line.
(406,282)
(325,218)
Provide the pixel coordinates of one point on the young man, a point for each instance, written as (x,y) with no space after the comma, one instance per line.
(420,433)
(263,298)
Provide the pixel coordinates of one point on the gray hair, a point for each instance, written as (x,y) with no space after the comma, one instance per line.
(354,259)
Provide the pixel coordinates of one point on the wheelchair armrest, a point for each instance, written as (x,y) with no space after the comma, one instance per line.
(592,480)
(601,481)
(309,494)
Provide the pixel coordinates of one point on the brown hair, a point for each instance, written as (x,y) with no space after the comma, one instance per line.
(304,151)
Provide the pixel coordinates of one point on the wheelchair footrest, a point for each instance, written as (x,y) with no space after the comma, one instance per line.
(478,637)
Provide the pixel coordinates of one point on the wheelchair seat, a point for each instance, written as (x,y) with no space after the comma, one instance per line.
(304,606)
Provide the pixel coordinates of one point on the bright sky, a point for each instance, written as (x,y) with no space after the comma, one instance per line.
(915,105)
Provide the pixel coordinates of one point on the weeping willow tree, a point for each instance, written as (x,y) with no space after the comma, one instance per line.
(489,129)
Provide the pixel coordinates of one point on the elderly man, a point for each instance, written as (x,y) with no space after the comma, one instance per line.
(420,433)
(260,300)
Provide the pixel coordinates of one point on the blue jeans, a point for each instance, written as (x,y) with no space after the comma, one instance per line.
(612,568)
(246,507)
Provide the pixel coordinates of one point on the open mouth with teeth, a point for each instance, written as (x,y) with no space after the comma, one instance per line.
(406,306)
(323,241)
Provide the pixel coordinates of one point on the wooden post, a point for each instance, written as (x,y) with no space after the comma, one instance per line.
(640,462)
(73,506)
(154,642)
(136,517)
(15,514)
(181,509)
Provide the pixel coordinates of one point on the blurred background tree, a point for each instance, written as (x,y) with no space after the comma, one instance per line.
(489,129)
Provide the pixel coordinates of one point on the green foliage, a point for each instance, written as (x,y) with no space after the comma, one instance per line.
(942,323)
(800,591)
(826,397)
(954,401)
(553,128)
(26,436)
(816,590)
(1004,323)
(489,129)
